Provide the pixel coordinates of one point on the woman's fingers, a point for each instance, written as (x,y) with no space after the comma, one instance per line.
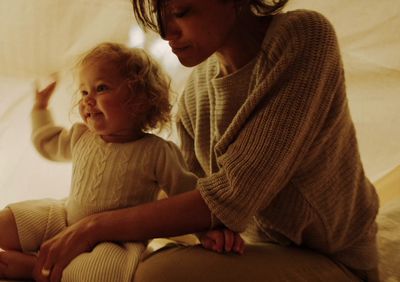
(218,239)
(223,240)
(46,269)
(56,273)
(229,238)
(42,270)
(207,242)
(238,246)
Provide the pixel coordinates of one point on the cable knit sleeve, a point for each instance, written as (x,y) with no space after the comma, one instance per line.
(53,142)
(171,170)
(295,81)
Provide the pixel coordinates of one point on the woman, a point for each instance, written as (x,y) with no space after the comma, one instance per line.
(264,123)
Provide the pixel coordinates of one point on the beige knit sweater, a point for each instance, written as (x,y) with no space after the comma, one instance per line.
(110,176)
(276,147)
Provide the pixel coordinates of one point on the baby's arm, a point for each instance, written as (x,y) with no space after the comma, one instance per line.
(222,240)
(51,141)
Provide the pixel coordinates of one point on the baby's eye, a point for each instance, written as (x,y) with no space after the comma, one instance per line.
(84,93)
(101,88)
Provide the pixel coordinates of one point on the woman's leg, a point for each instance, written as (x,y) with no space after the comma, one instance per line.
(259,263)
(13,263)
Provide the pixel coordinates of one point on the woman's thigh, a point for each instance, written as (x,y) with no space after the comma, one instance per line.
(263,262)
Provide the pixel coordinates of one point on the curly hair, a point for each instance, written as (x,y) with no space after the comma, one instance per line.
(144,76)
(150,13)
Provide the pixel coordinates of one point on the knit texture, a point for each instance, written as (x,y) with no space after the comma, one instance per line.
(287,161)
(106,176)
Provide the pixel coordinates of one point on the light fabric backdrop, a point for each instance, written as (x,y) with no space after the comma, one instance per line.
(40,37)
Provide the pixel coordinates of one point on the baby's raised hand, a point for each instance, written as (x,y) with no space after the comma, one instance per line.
(42,97)
(222,240)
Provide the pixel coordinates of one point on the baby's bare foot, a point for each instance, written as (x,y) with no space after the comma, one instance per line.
(16,265)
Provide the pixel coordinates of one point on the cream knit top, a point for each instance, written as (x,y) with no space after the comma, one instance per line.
(275,145)
(110,176)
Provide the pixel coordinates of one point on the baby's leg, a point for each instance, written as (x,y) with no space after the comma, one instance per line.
(106,262)
(24,226)
(9,239)
(13,263)
(16,265)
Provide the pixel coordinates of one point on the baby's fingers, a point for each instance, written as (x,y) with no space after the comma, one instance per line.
(46,91)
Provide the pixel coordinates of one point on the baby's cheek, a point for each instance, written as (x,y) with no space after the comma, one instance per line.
(81,111)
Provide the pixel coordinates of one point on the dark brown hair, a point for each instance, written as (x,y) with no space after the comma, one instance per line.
(149,13)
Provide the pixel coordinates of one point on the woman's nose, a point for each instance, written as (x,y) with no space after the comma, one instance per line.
(170,29)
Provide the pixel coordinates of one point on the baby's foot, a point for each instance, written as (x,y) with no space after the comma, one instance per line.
(16,265)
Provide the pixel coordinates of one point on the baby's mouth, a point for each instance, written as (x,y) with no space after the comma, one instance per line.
(93,115)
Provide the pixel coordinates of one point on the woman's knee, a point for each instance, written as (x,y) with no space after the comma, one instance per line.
(259,263)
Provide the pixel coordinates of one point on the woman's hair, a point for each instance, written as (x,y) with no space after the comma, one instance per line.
(149,13)
(144,76)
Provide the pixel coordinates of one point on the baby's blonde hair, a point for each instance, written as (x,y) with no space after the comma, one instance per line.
(144,76)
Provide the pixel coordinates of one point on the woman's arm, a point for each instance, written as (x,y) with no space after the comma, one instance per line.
(181,214)
(177,215)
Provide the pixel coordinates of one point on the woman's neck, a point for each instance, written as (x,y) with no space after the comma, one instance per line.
(243,44)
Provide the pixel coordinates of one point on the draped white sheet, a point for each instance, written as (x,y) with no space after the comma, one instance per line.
(39,37)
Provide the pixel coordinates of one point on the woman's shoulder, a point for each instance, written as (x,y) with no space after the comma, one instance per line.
(303,20)
(301,24)
(299,30)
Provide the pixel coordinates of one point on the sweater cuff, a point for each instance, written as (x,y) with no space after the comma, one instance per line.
(224,206)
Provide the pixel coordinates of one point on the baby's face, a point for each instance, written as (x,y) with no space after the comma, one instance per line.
(105,102)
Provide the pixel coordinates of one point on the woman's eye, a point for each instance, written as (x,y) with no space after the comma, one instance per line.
(101,88)
(181,13)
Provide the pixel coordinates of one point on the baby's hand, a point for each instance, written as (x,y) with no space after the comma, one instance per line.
(224,239)
(42,97)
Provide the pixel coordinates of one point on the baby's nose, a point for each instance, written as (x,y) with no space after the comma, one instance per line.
(89,100)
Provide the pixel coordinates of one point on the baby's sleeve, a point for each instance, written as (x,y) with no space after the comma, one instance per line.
(50,141)
(172,172)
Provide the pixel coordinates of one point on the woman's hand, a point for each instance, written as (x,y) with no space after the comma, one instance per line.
(56,253)
(222,240)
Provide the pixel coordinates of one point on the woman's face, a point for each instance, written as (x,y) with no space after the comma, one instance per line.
(195,29)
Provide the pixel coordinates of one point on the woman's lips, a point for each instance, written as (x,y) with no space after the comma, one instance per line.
(177,49)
